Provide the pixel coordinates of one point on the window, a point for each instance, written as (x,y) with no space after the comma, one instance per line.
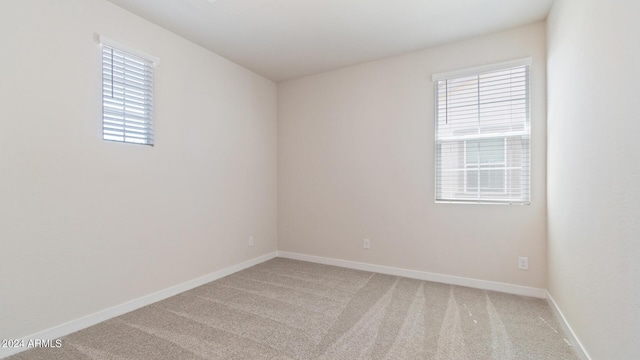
(483,134)
(127,95)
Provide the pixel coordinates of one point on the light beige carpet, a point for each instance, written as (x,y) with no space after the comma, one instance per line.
(287,309)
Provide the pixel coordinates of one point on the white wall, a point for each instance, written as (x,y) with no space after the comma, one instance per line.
(87,224)
(594,172)
(356,160)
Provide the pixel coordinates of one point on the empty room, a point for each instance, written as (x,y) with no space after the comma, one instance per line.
(306,179)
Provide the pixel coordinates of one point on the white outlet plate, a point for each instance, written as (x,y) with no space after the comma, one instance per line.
(366,244)
(523,263)
(251,242)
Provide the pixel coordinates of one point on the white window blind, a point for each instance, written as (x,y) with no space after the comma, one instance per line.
(127,97)
(483,135)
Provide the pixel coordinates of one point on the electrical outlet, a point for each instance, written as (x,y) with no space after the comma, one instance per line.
(523,263)
(251,242)
(366,244)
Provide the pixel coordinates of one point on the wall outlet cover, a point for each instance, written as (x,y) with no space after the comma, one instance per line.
(523,263)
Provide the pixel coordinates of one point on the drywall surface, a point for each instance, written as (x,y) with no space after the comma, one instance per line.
(594,172)
(86,224)
(356,161)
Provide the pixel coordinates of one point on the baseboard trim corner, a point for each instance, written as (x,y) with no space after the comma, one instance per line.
(573,338)
(117,310)
(421,275)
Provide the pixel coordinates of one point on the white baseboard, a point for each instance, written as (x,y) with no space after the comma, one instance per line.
(575,342)
(106,314)
(421,275)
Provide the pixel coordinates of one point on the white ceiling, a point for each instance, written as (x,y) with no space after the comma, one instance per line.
(285,39)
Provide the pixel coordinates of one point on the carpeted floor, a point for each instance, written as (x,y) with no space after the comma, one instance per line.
(287,309)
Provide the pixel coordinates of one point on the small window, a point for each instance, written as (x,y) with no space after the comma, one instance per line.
(483,134)
(127,97)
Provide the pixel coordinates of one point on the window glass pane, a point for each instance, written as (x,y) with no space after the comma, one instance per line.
(472,181)
(473,151)
(491,151)
(492,180)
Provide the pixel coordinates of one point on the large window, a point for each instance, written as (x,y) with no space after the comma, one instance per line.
(483,134)
(127,96)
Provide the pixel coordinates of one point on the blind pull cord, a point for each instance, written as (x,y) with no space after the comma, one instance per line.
(112,73)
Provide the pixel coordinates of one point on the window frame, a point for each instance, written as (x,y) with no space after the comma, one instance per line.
(476,71)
